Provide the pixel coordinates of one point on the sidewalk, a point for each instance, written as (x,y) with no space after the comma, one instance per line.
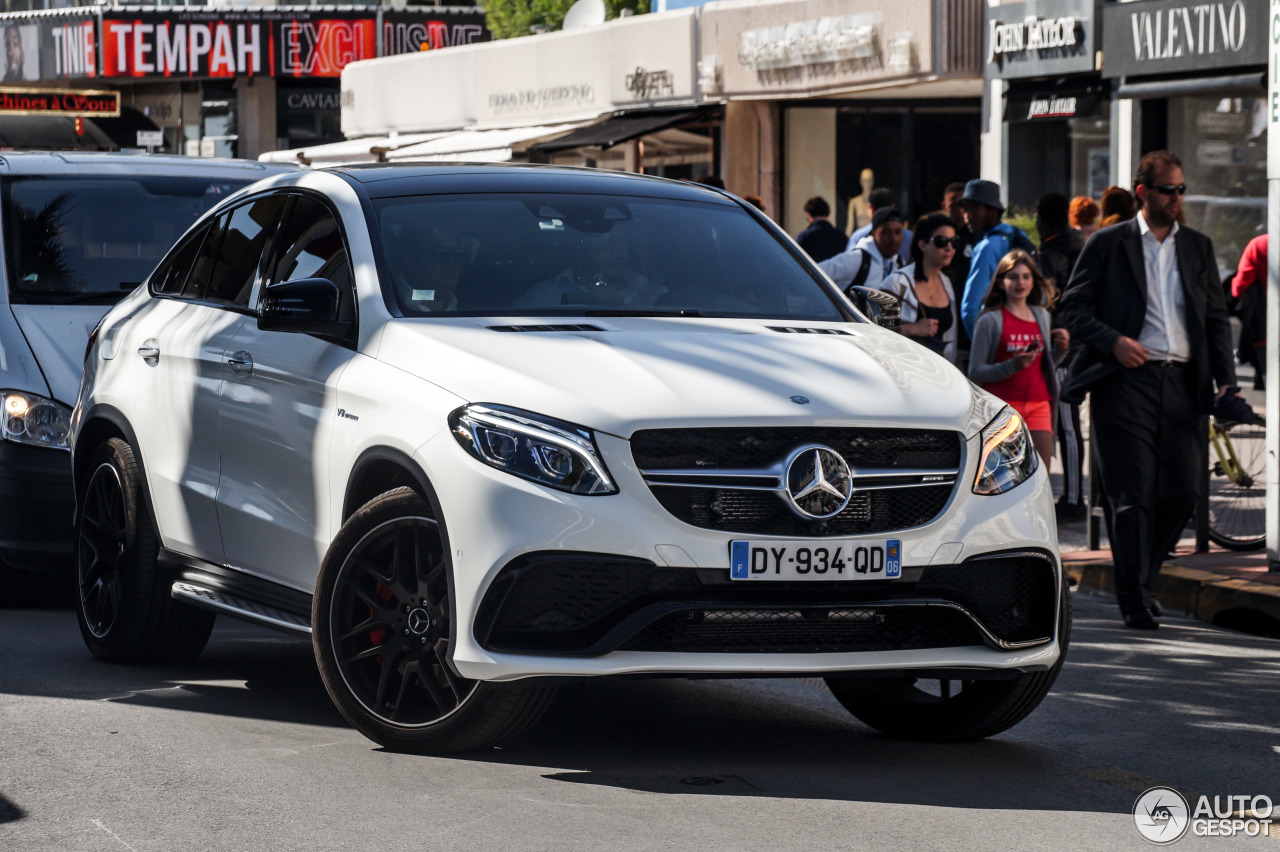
(1220,587)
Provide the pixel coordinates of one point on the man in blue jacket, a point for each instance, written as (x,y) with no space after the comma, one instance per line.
(983,210)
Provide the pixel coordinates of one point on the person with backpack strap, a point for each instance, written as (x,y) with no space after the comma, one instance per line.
(874,258)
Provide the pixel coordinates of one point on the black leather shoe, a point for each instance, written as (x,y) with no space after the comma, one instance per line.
(1140,621)
(1154,608)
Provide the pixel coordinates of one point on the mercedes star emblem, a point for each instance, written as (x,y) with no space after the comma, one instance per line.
(818,483)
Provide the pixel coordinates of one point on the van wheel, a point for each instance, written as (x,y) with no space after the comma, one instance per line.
(125,611)
(951,710)
(382,619)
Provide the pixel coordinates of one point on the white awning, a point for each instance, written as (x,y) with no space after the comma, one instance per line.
(364,150)
(485,146)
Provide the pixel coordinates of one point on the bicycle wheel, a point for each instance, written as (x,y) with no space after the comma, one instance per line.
(1238,510)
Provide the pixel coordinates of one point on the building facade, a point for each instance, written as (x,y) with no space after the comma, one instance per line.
(784,99)
(223,81)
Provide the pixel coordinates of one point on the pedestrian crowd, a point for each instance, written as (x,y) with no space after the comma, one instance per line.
(1119,300)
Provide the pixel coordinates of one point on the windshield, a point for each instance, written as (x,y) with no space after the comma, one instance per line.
(93,239)
(584,255)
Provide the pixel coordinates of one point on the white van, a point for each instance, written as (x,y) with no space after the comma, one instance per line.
(79,232)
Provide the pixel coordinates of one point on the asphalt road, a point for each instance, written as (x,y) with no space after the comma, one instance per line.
(242,750)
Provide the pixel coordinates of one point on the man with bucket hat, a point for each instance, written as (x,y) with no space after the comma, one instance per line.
(983,210)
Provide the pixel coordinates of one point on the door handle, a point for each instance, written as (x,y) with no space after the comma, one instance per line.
(150,354)
(241,363)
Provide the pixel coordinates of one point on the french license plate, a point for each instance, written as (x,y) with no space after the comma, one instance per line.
(807,560)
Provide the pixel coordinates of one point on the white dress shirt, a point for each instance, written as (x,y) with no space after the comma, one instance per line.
(1164,328)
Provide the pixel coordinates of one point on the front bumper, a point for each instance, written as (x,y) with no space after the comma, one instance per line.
(632,528)
(37,507)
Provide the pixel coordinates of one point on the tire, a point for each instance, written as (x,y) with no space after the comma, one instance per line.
(123,604)
(1238,512)
(381,624)
(903,708)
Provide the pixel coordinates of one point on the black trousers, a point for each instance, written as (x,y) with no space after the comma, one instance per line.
(1147,436)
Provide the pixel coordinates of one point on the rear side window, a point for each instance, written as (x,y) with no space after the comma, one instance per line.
(173,275)
(205,259)
(240,251)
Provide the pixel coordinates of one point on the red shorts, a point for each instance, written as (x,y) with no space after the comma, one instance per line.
(1037,414)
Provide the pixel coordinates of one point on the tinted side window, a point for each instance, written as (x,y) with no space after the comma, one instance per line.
(311,246)
(203,265)
(240,252)
(170,278)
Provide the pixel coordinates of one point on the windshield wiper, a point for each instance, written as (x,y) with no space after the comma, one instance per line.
(684,312)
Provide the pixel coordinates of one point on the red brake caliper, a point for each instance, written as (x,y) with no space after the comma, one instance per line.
(377,637)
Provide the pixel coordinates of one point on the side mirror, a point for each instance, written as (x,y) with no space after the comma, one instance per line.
(305,306)
(881,307)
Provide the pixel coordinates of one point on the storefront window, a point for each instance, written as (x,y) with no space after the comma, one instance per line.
(1223,146)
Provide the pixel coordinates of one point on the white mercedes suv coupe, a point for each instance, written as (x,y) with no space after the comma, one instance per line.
(477,430)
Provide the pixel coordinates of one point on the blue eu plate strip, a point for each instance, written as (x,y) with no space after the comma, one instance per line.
(893,558)
(739,559)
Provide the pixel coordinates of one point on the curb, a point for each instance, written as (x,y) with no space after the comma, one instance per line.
(1201,594)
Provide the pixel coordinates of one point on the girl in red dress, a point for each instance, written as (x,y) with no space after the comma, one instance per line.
(1010,342)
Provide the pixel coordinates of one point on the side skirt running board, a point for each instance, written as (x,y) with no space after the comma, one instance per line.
(240,607)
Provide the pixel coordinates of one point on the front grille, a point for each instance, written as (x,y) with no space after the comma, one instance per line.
(741,448)
(766,513)
(812,630)
(590,604)
(733,480)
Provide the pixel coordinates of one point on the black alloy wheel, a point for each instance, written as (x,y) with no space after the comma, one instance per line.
(102,549)
(124,607)
(381,627)
(390,616)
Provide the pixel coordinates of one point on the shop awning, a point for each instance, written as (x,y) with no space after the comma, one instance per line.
(370,149)
(480,146)
(616,130)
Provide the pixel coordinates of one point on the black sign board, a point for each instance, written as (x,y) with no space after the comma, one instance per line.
(1172,36)
(59,102)
(1047,105)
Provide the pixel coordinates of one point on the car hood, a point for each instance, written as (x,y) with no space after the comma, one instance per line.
(638,373)
(57,335)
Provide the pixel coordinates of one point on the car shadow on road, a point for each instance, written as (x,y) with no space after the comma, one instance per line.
(245,671)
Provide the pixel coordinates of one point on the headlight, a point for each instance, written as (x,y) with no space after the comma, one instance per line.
(547,451)
(31,419)
(1008,456)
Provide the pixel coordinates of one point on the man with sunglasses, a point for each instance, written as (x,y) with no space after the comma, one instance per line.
(1145,302)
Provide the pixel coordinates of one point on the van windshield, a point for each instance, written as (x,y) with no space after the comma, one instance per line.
(93,239)
(585,255)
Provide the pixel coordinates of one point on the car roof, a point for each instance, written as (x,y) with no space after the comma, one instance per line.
(386,180)
(112,163)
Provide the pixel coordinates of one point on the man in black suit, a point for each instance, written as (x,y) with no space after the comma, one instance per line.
(820,240)
(1145,303)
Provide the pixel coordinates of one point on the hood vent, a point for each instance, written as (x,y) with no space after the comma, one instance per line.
(563,327)
(784,329)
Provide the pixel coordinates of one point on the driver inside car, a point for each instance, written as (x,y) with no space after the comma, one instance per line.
(432,261)
(599,275)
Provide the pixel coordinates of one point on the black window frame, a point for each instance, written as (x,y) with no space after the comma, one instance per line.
(291,196)
(202,231)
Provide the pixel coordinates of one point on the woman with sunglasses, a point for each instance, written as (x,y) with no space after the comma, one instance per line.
(1010,341)
(928,303)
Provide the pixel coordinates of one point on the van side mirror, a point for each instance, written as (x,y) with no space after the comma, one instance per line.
(305,306)
(880,307)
